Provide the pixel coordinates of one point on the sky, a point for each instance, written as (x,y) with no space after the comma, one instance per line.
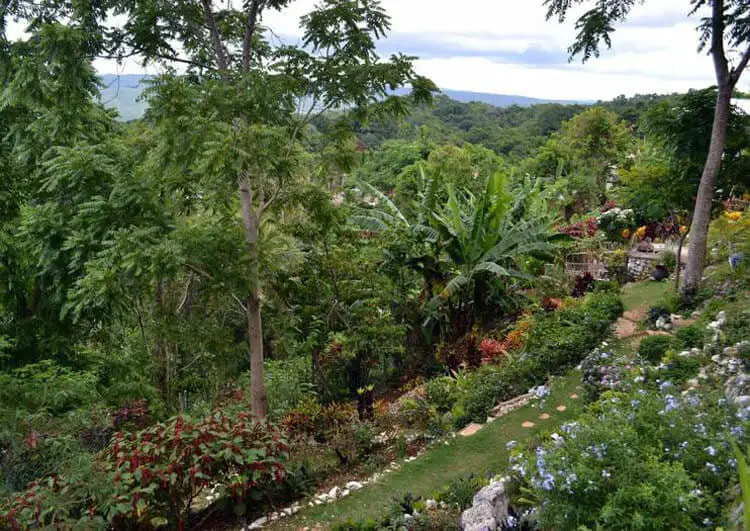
(507,47)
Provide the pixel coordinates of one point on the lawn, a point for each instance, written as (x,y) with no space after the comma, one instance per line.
(645,293)
(439,466)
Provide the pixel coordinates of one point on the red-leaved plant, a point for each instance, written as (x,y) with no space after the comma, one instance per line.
(155,474)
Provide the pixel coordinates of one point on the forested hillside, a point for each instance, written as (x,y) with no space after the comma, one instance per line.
(288,275)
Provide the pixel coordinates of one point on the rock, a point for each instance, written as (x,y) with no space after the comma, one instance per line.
(334,493)
(430,505)
(742,400)
(716,358)
(470,430)
(479,518)
(693,382)
(527,424)
(489,509)
(259,523)
(344,493)
(663,323)
(354,485)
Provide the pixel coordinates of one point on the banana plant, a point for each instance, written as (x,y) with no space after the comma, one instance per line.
(485,237)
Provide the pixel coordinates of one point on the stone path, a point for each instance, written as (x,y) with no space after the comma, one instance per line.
(627,325)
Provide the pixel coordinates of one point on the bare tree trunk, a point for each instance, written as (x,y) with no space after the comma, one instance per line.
(252,307)
(702,212)
(255,342)
(679,255)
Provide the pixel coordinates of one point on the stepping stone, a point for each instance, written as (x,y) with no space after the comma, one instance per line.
(470,430)
(561,408)
(528,424)
(573,396)
(544,416)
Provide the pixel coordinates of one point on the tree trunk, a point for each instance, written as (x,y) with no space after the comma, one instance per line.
(679,255)
(255,343)
(702,212)
(252,306)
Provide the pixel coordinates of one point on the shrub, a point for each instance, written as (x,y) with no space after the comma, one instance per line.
(657,459)
(653,348)
(153,475)
(554,343)
(442,392)
(690,336)
(680,368)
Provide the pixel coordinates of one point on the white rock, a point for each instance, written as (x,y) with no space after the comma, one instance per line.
(334,493)
(344,493)
(430,505)
(354,485)
(259,523)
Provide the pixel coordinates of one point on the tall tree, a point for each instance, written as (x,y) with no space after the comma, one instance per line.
(727,26)
(258,97)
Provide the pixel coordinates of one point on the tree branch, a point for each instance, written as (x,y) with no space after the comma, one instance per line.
(250,27)
(717,42)
(221,58)
(736,73)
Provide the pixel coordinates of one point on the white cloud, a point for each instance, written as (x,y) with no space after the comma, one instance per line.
(507,46)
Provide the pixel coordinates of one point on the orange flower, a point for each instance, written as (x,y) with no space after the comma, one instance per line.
(683,229)
(640,233)
(625,234)
(733,216)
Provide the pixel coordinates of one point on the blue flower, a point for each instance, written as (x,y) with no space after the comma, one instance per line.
(710,450)
(635,403)
(712,468)
(606,474)
(700,429)
(736,431)
(548,482)
(671,403)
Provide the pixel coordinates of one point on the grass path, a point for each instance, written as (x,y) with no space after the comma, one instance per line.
(442,464)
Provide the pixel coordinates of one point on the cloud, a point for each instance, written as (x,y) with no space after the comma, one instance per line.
(508,46)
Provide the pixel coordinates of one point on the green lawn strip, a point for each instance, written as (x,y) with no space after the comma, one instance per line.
(648,292)
(442,464)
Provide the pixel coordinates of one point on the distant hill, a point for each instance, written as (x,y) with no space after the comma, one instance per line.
(122,92)
(504,100)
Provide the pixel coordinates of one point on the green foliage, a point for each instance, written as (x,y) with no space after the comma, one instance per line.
(653,348)
(154,474)
(679,368)
(555,343)
(691,336)
(661,460)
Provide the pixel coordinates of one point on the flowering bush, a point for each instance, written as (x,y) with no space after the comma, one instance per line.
(491,349)
(582,229)
(614,221)
(658,458)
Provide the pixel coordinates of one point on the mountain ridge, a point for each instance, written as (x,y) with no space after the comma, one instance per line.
(122,92)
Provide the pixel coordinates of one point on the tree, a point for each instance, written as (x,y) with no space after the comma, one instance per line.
(257,98)
(727,26)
